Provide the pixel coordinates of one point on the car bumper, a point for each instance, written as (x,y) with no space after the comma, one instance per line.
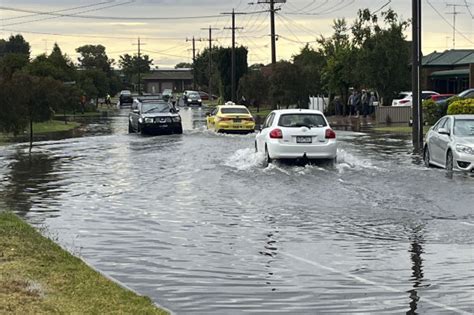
(463,161)
(279,150)
(194,103)
(245,126)
(160,128)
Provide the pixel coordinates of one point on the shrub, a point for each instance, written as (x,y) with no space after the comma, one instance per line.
(461,107)
(432,112)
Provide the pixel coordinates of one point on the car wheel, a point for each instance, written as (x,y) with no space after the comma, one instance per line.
(267,160)
(130,128)
(426,156)
(139,128)
(449,161)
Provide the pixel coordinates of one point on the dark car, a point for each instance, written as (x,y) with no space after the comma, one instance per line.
(154,116)
(125,98)
(205,96)
(192,98)
(443,104)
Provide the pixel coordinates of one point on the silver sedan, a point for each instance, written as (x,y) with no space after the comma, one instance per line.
(450,143)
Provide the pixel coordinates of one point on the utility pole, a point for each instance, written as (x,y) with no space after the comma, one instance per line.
(417,127)
(139,66)
(454,13)
(233,63)
(210,59)
(194,57)
(273,36)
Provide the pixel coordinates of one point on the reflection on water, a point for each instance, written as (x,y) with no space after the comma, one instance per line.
(32,180)
(198,224)
(417,276)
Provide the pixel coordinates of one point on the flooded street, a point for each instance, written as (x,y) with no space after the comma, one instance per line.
(197,224)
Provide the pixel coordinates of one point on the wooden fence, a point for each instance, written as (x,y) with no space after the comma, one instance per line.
(393,114)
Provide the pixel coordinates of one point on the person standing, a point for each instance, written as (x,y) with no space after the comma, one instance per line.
(356,103)
(372,103)
(365,103)
(350,104)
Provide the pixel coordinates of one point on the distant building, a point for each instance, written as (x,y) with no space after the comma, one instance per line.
(177,80)
(451,71)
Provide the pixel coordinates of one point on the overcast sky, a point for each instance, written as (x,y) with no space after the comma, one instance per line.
(165,40)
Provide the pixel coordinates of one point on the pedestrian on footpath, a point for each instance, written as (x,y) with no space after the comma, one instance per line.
(350,104)
(356,103)
(338,105)
(372,103)
(364,99)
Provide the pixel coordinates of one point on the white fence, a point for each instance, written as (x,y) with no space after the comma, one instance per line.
(318,103)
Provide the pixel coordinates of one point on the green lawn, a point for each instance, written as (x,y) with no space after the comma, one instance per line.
(399,129)
(54,126)
(39,277)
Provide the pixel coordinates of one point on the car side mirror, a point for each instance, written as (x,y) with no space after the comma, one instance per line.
(443,131)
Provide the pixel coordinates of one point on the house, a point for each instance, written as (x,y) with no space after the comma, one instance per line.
(177,80)
(451,71)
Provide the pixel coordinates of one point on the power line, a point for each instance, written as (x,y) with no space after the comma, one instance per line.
(454,13)
(53,16)
(143,18)
(447,22)
(468,6)
(58,11)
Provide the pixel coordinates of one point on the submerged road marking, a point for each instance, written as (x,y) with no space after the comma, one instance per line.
(369,282)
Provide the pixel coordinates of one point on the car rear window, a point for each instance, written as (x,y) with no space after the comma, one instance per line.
(464,127)
(303,119)
(401,96)
(236,110)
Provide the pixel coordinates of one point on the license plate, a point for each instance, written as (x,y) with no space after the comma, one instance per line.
(163,126)
(237,120)
(304,139)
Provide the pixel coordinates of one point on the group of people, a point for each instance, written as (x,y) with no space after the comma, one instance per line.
(359,103)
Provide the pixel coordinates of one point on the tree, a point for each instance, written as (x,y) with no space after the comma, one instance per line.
(14,55)
(56,66)
(383,61)
(310,62)
(94,57)
(28,99)
(224,66)
(254,86)
(182,65)
(338,74)
(94,83)
(201,69)
(131,65)
(286,85)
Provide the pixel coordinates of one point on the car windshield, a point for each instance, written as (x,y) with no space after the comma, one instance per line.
(465,93)
(464,127)
(234,110)
(302,120)
(155,107)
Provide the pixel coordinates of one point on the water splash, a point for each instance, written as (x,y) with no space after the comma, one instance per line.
(245,159)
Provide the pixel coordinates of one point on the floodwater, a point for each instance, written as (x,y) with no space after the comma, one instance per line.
(197,224)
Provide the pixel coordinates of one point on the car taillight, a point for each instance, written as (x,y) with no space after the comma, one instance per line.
(404,101)
(225,118)
(330,134)
(276,134)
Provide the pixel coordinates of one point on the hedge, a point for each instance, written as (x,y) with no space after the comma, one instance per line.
(461,107)
(432,112)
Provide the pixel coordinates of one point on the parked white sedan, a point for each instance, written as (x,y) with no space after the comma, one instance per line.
(296,134)
(450,143)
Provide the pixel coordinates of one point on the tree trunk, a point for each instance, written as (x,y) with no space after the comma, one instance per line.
(31,134)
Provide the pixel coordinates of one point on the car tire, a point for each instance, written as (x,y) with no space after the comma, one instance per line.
(268,159)
(426,156)
(449,161)
(130,128)
(139,128)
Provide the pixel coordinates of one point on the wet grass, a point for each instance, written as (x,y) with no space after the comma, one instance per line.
(398,129)
(38,277)
(54,126)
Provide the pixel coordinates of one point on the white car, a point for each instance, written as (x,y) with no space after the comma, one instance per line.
(450,143)
(405,98)
(296,134)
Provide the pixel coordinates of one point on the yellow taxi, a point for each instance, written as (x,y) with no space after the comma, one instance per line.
(230,118)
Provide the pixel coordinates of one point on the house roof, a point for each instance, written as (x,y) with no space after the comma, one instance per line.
(451,73)
(453,57)
(173,74)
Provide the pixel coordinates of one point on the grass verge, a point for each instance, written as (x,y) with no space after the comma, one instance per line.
(398,129)
(38,277)
(54,126)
